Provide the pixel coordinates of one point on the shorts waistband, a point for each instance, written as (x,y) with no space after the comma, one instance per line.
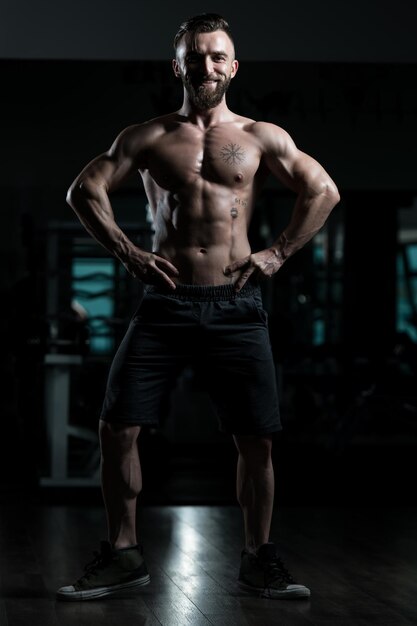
(204,293)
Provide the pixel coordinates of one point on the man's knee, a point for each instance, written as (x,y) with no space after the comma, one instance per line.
(117,435)
(254,448)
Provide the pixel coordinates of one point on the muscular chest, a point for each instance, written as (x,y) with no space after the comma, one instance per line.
(185,157)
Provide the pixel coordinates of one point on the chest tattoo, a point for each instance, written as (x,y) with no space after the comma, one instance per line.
(232,154)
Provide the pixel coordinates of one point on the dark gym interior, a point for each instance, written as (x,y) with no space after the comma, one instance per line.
(342,320)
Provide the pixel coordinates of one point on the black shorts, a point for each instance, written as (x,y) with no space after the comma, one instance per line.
(223,335)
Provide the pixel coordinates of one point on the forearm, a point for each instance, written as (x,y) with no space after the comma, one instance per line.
(91,203)
(92,206)
(309,215)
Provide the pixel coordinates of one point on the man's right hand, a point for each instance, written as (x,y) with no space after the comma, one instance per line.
(150,268)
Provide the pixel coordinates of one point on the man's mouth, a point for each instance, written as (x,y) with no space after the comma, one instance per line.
(207,81)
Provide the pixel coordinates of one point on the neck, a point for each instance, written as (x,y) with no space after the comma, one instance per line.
(207,117)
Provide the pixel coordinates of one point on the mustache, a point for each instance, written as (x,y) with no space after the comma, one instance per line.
(203,77)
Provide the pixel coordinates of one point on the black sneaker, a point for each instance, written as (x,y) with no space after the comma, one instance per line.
(264,573)
(110,571)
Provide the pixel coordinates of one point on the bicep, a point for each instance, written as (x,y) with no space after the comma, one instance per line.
(104,171)
(294,168)
(111,168)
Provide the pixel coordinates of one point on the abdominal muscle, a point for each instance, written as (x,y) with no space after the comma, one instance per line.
(201,259)
(201,239)
(203,265)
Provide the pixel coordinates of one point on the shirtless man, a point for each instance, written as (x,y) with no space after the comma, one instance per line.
(202,168)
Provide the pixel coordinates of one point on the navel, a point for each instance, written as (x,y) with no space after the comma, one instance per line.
(203,251)
(234,212)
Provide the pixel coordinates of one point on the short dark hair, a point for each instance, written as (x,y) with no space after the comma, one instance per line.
(204,23)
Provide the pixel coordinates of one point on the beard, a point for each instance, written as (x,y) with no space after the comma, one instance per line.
(204,97)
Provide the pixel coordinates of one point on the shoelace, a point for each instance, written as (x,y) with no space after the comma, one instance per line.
(99,562)
(275,571)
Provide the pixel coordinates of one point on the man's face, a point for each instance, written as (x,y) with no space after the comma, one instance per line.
(206,65)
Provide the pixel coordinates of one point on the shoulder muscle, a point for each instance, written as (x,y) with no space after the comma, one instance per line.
(284,160)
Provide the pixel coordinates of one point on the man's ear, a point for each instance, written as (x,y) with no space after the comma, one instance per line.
(176,68)
(235,67)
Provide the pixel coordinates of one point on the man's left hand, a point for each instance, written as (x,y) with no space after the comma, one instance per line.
(262,264)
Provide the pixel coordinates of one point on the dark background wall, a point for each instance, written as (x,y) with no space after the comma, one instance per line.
(341,79)
(323,31)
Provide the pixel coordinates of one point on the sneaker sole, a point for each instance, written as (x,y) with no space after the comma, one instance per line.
(99,592)
(290,594)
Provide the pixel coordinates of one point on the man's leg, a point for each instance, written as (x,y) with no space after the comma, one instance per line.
(121,480)
(255,487)
(261,569)
(119,565)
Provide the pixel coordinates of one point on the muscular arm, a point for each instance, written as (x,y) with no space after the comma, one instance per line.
(89,197)
(316,192)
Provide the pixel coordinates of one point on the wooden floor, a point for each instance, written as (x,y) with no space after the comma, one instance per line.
(361,566)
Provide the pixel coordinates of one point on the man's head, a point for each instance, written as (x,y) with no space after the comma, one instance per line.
(204,23)
(205,59)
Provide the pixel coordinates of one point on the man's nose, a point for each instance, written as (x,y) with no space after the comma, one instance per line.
(207,64)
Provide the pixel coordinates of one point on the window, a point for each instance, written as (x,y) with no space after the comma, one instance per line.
(93,289)
(407,289)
